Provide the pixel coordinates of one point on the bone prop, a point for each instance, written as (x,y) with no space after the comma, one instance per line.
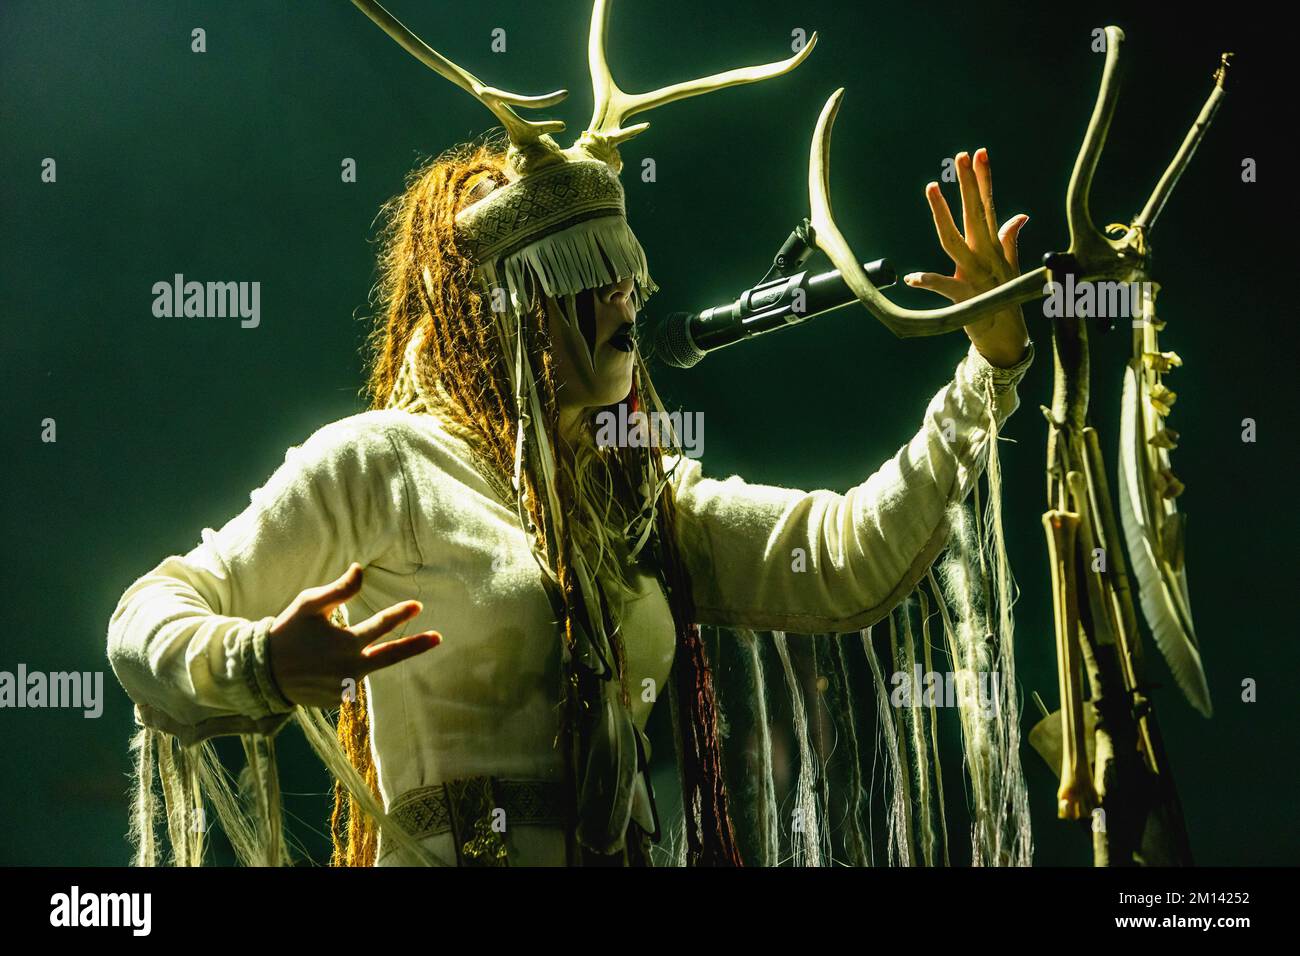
(1076,797)
(1103,626)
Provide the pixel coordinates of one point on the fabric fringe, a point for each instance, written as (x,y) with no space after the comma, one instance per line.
(768,820)
(934,722)
(192,778)
(899,840)
(1014,845)
(748,739)
(586,255)
(858,843)
(903,751)
(977,583)
(144,814)
(915,740)
(805,834)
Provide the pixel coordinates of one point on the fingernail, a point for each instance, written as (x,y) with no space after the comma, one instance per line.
(912,278)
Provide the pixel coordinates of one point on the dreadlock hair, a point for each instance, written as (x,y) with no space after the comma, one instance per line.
(426,283)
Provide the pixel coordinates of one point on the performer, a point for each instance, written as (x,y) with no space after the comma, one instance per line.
(514,597)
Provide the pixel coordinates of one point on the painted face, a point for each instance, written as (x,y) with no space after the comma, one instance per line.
(591,334)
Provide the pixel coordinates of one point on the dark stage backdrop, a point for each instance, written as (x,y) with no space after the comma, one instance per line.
(226,166)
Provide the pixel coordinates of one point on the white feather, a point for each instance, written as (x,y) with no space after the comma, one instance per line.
(1159,586)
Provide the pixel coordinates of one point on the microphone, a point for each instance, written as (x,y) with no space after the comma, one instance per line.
(781,300)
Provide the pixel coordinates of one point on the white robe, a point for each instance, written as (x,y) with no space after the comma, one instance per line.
(398,494)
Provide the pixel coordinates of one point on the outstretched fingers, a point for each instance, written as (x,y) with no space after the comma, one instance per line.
(984,177)
(324,599)
(954,290)
(396,651)
(979,235)
(949,238)
(377,625)
(1009,238)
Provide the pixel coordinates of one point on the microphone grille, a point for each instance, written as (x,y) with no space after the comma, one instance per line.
(672,343)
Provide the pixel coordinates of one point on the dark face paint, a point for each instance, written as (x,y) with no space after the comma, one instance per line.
(586,303)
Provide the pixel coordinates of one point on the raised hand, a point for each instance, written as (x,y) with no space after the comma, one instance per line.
(985,257)
(311,658)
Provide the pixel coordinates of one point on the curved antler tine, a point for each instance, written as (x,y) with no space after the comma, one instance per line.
(1156,202)
(1086,241)
(902,322)
(613,106)
(522,132)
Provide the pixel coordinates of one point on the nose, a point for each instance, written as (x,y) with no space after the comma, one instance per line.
(618,297)
(618,292)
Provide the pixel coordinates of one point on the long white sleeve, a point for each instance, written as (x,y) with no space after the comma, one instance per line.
(774,558)
(188,639)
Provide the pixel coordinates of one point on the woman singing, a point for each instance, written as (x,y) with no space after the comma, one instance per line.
(518,596)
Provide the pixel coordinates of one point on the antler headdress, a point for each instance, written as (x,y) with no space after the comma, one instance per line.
(562,216)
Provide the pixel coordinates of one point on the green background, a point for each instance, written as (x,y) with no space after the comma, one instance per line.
(226,166)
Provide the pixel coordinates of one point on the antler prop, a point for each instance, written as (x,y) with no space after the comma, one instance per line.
(1092,601)
(902,322)
(1091,256)
(1143,818)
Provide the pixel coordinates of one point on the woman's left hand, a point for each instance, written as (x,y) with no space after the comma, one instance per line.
(985,258)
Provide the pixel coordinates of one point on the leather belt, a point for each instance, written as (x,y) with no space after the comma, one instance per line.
(476,811)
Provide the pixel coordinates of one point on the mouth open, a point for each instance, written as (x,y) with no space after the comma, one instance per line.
(622,339)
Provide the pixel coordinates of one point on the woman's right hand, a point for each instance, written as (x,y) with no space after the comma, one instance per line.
(314,661)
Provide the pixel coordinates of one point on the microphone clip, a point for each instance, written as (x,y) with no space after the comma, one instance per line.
(794,252)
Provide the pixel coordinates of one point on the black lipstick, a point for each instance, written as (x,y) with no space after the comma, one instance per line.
(622,339)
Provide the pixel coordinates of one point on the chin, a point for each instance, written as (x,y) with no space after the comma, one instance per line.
(614,396)
(618,388)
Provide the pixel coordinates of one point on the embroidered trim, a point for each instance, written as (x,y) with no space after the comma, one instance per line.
(256,667)
(1003,379)
(545,202)
(268,690)
(467,809)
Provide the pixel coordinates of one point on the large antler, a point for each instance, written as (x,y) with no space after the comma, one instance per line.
(613,106)
(902,322)
(524,134)
(1091,256)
